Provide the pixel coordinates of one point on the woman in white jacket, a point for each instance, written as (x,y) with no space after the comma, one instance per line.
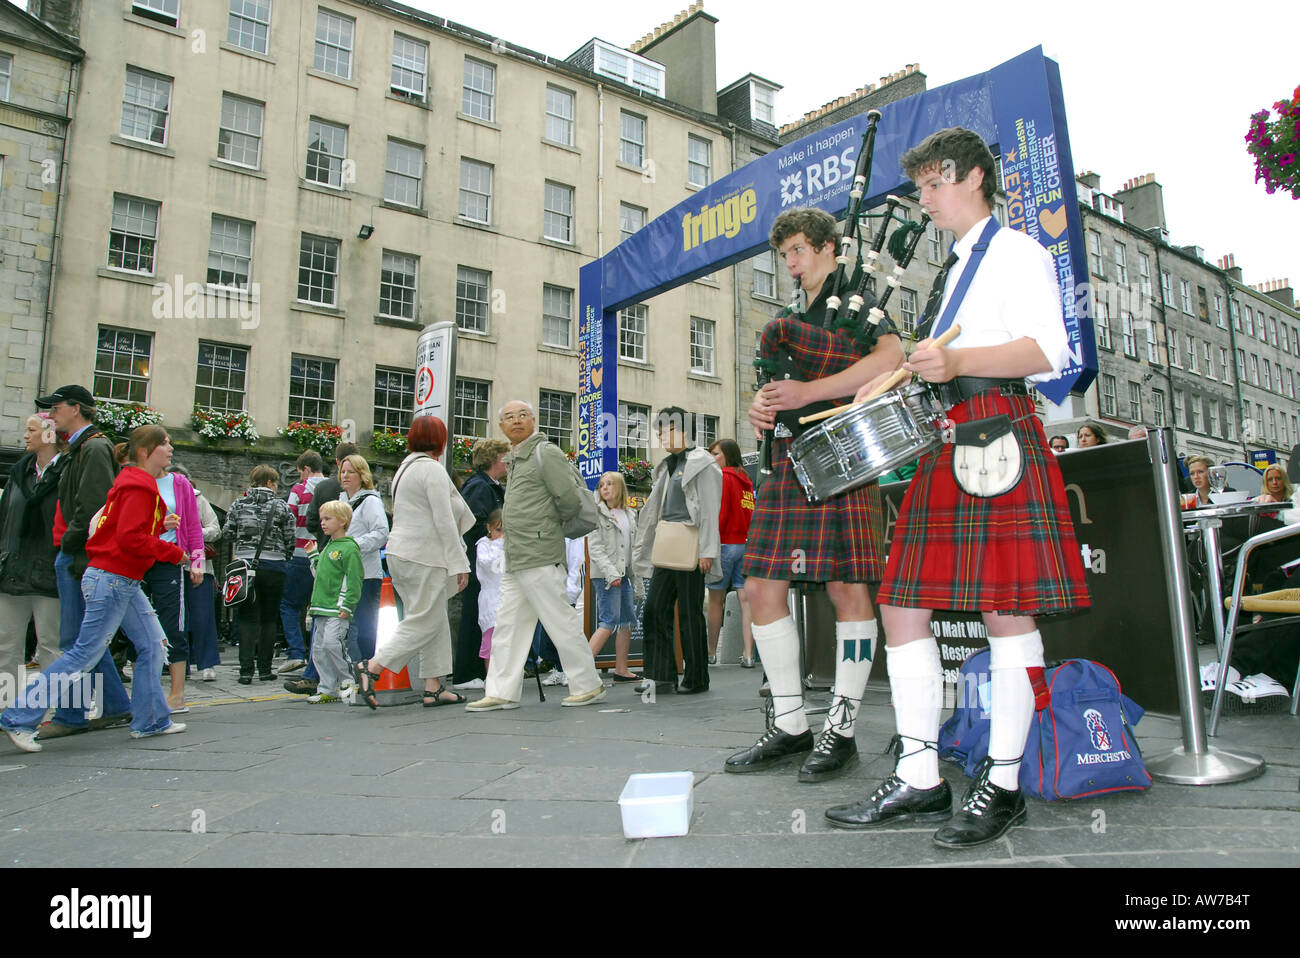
(369,529)
(612,580)
(426,558)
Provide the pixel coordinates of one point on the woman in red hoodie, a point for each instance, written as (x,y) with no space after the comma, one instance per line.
(733,527)
(124,542)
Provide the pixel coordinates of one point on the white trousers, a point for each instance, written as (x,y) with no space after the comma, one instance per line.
(527,597)
(424,630)
(15,612)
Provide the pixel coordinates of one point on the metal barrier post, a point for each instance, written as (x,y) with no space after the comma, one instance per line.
(1194,762)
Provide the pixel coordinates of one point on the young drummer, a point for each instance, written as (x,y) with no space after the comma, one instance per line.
(1011,557)
(836,542)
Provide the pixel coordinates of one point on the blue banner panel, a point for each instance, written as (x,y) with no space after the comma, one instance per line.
(597,449)
(1016,107)
(1038,179)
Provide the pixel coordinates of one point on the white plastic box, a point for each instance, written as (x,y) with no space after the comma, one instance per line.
(657,805)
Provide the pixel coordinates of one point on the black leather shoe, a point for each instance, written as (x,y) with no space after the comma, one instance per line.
(895,801)
(691,689)
(775,746)
(832,756)
(245,680)
(986,813)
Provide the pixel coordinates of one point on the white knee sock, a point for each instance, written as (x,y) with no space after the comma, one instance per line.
(855,646)
(1011,702)
(778,645)
(916,681)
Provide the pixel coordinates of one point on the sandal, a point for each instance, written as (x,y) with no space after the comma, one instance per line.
(433,700)
(366,684)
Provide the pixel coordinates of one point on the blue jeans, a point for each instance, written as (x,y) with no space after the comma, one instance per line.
(111,601)
(72,607)
(298,584)
(615,607)
(365,624)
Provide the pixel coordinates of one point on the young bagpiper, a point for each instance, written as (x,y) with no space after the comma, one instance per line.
(838,542)
(1010,555)
(339,572)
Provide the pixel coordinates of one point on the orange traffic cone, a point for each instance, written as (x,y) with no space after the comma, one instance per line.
(391,688)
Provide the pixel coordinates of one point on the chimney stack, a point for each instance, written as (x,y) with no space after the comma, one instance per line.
(63,15)
(1144,204)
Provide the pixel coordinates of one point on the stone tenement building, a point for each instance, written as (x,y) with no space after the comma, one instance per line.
(267,201)
(38,80)
(1183,342)
(264,202)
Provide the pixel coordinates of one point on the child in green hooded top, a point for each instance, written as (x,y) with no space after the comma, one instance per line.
(339,573)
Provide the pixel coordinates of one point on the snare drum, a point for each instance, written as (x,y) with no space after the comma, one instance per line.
(865,442)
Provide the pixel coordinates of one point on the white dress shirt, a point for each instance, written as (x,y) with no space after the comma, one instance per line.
(1013,294)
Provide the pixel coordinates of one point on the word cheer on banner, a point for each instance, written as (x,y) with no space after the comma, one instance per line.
(1016,107)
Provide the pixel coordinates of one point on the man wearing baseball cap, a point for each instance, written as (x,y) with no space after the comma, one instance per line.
(83,489)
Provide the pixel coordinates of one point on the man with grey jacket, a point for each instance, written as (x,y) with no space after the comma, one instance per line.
(688,490)
(540,496)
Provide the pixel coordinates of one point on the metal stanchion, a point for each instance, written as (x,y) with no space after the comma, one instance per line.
(1194,762)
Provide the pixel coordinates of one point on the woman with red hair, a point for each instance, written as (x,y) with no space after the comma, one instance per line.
(425,556)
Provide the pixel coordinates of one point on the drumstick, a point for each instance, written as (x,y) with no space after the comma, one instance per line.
(899,376)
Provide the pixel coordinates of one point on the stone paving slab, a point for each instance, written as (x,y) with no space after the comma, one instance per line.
(344,815)
(286,783)
(133,810)
(102,849)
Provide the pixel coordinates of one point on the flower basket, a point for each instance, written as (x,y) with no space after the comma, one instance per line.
(321,436)
(390,442)
(462,452)
(636,472)
(212,424)
(118,419)
(1275,144)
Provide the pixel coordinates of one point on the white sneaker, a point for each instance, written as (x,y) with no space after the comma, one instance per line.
(1258,686)
(24,740)
(209,675)
(472,685)
(1210,677)
(556,677)
(172,729)
(293,665)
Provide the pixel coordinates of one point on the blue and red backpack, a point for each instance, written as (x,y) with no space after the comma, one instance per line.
(1080,741)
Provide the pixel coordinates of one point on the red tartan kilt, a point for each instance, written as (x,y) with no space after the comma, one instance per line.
(791,539)
(1015,553)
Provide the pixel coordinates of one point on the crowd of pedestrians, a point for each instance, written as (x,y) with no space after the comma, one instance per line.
(98,542)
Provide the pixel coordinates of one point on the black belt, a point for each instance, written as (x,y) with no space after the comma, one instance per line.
(958,390)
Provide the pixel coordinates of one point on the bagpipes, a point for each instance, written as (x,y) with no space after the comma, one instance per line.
(791,348)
